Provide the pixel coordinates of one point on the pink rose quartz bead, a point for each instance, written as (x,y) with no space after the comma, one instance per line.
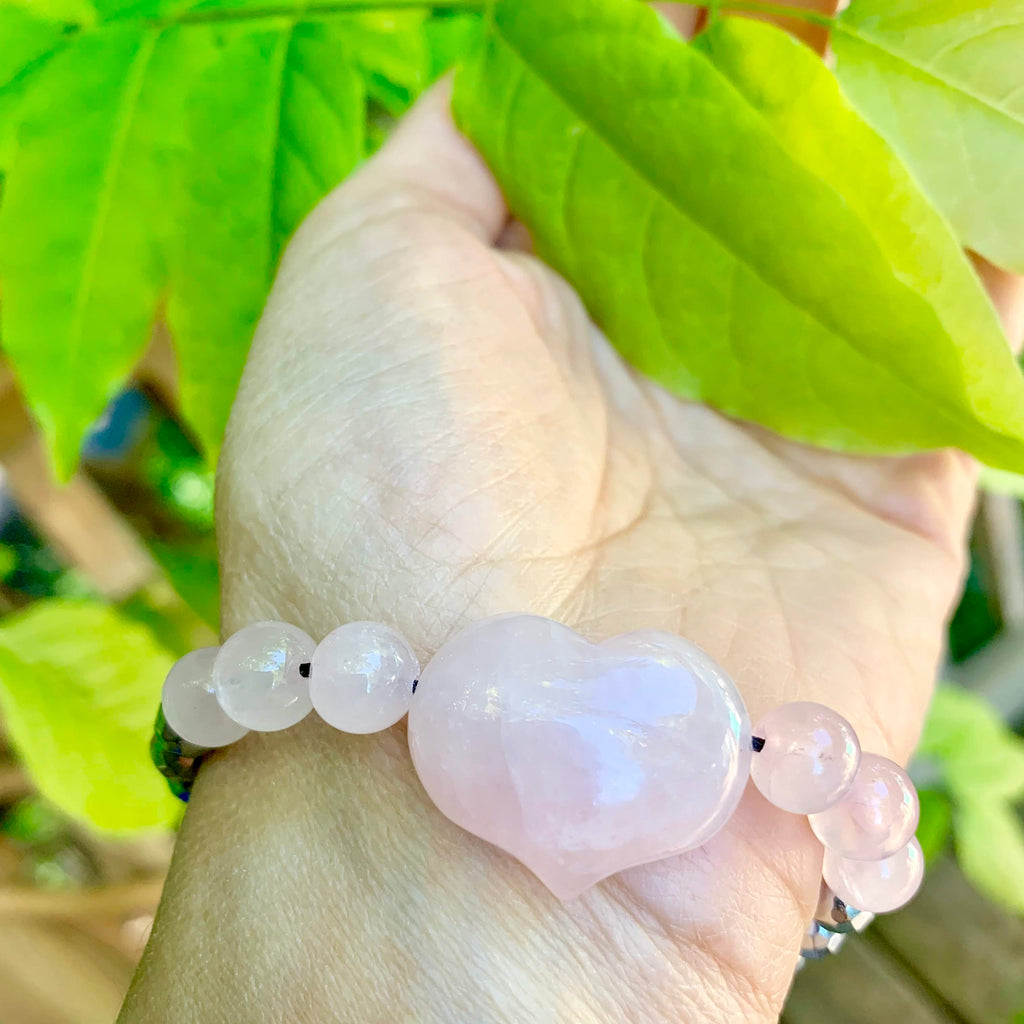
(256,676)
(190,705)
(579,759)
(809,758)
(362,676)
(877,817)
(878,886)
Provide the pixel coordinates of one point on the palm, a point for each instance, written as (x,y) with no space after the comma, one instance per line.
(430,431)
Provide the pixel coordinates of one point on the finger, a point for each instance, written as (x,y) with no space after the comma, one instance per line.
(515,237)
(428,161)
(816,36)
(684,18)
(1006,291)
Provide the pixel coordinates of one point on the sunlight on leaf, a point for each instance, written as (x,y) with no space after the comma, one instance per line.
(79,688)
(84,215)
(150,159)
(699,224)
(943,80)
(978,752)
(990,850)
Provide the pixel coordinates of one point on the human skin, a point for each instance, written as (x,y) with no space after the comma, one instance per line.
(429,430)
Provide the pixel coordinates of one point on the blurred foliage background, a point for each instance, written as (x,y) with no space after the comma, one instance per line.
(107,578)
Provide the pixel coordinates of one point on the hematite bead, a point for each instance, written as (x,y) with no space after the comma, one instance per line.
(835,915)
(182,790)
(176,759)
(819,942)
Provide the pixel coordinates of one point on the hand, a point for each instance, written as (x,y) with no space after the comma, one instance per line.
(430,431)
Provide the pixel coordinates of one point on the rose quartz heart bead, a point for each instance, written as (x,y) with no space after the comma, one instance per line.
(256,676)
(190,706)
(878,815)
(579,759)
(362,676)
(809,758)
(879,886)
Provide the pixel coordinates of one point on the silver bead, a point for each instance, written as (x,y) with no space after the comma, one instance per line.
(835,915)
(819,942)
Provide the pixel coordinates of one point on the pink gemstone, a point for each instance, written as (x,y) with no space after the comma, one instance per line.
(256,676)
(362,677)
(809,758)
(579,759)
(190,706)
(878,886)
(878,815)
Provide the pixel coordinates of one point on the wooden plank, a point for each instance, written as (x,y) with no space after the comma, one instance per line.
(964,948)
(58,974)
(861,985)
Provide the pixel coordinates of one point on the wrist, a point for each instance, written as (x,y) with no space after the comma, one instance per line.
(312,881)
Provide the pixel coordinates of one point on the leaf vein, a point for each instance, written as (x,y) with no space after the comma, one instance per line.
(906,380)
(931,72)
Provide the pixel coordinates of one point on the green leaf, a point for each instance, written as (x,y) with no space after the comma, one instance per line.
(79,688)
(281,113)
(450,38)
(999,481)
(191,569)
(943,80)
(699,225)
(158,157)
(391,51)
(935,826)
(29,41)
(85,211)
(26,39)
(990,851)
(979,754)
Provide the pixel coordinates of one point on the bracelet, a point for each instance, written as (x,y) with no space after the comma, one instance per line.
(579,759)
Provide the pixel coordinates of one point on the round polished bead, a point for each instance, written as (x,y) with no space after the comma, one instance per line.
(362,677)
(818,942)
(835,915)
(190,705)
(877,816)
(809,757)
(878,886)
(257,676)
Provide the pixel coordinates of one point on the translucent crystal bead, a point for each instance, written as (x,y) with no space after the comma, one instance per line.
(257,679)
(362,676)
(190,705)
(809,758)
(580,759)
(877,816)
(878,886)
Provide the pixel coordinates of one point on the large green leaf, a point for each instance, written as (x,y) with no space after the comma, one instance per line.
(284,113)
(170,148)
(990,849)
(943,80)
(84,215)
(28,42)
(979,754)
(79,688)
(704,233)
